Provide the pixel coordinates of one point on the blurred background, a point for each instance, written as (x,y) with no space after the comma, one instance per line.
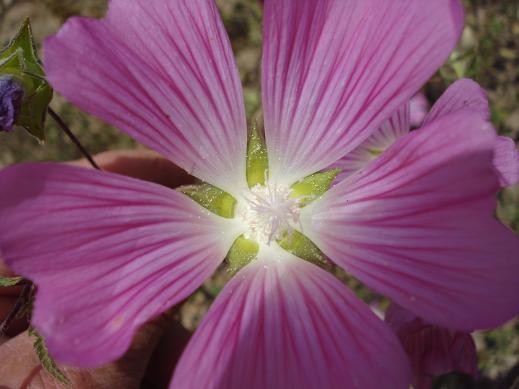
(487,53)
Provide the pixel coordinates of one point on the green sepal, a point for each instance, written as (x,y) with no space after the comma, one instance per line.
(242,252)
(257,158)
(10,281)
(24,42)
(20,61)
(212,198)
(296,243)
(33,112)
(313,186)
(46,360)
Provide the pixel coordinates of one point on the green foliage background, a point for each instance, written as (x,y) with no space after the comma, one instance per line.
(488,53)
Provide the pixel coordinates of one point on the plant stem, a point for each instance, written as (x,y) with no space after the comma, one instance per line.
(73,138)
(18,305)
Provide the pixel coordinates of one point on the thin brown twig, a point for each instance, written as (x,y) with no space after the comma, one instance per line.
(73,138)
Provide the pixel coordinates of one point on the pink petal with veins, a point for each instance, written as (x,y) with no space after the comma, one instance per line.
(418,225)
(107,252)
(163,71)
(334,70)
(282,323)
(433,350)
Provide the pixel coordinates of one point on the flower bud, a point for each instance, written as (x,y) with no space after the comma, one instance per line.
(11,96)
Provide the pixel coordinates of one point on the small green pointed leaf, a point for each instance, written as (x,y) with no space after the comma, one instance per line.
(311,187)
(20,61)
(257,159)
(12,281)
(302,247)
(212,198)
(242,252)
(45,359)
(12,64)
(24,41)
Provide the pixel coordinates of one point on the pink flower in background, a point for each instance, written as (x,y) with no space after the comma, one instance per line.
(418,107)
(433,350)
(110,252)
(461,95)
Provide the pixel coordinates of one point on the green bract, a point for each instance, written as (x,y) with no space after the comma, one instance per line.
(212,198)
(241,253)
(257,159)
(313,186)
(20,61)
(375,152)
(302,247)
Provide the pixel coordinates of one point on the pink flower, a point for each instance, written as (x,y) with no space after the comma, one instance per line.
(433,350)
(461,95)
(418,107)
(109,252)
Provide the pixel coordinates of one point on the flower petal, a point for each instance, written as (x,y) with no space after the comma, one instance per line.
(282,322)
(395,127)
(506,161)
(107,252)
(419,107)
(462,94)
(433,350)
(466,93)
(162,71)
(418,225)
(334,70)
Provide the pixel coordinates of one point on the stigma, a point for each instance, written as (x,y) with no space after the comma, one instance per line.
(268,212)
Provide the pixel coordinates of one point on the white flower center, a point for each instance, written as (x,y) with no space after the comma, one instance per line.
(268,212)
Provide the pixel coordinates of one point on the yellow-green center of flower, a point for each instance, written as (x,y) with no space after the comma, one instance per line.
(268,213)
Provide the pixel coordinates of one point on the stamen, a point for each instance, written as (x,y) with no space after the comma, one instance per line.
(269,212)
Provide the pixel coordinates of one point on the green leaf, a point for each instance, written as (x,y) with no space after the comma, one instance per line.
(5,282)
(312,187)
(12,63)
(242,252)
(34,110)
(20,60)
(302,247)
(45,359)
(23,41)
(257,159)
(212,198)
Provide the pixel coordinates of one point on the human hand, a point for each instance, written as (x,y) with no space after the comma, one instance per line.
(155,349)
